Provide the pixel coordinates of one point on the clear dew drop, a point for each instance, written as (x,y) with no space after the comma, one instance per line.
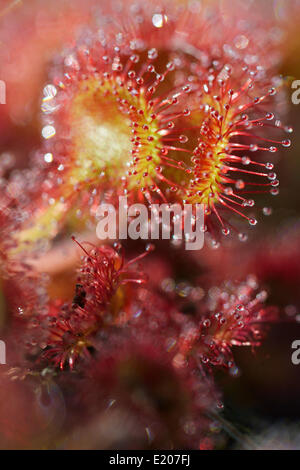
(274,191)
(243,237)
(234,371)
(267,211)
(246,160)
(272,176)
(158,20)
(241,42)
(252,221)
(48,157)
(206,323)
(48,132)
(270,116)
(183,139)
(226,231)
(49,91)
(150,247)
(240,184)
(286,143)
(152,54)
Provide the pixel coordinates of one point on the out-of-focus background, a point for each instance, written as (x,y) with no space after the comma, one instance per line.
(262,400)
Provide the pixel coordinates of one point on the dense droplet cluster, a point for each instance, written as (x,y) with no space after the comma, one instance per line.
(143,111)
(110,331)
(162,104)
(224,170)
(101,298)
(237,317)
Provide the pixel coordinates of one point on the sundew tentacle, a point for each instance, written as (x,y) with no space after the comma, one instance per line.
(238,316)
(116,124)
(103,297)
(106,126)
(124,109)
(223,168)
